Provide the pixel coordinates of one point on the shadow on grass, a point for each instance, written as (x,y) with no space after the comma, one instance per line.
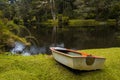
(80,72)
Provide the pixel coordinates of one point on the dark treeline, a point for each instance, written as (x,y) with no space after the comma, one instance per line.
(35,11)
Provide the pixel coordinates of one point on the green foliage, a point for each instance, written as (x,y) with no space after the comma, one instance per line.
(63,20)
(23,11)
(115,10)
(1,14)
(65,7)
(111,22)
(97,9)
(44,67)
(18,21)
(9,33)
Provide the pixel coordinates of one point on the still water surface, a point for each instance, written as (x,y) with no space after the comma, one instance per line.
(73,38)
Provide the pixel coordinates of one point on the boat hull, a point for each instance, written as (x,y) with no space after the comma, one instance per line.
(79,63)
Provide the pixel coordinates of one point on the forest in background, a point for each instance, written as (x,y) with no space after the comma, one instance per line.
(35,11)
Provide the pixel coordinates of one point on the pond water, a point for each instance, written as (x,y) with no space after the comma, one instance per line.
(73,37)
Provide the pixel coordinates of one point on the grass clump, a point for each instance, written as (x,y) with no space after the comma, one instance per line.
(43,67)
(17,75)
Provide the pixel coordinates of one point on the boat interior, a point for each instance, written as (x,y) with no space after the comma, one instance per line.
(68,52)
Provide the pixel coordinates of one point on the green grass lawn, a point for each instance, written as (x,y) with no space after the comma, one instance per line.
(43,67)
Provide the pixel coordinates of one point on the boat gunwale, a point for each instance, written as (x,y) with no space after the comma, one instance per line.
(58,52)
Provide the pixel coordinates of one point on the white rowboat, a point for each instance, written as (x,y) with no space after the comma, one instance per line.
(77,60)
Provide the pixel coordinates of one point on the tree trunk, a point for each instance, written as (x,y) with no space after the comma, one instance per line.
(52,2)
(53,12)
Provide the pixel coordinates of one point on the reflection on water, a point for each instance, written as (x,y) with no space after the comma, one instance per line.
(72,37)
(20,48)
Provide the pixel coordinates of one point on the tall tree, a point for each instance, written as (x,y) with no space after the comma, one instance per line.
(40,9)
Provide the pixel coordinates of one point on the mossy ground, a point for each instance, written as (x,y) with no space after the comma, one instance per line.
(44,67)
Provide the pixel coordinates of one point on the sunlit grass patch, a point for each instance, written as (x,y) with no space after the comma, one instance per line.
(44,67)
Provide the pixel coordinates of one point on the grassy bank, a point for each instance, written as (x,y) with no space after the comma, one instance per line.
(79,22)
(43,67)
(91,22)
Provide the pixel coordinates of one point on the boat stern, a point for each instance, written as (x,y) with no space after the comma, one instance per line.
(84,64)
